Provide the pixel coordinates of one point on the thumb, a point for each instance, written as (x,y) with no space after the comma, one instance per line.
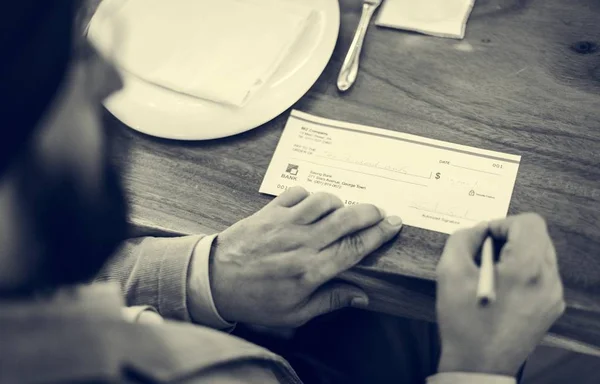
(333,296)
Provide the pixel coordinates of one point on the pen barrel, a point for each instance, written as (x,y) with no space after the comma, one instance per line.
(486,292)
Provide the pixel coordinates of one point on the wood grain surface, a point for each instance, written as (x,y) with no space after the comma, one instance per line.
(525,80)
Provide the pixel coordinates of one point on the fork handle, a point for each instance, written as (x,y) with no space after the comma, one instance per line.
(349,69)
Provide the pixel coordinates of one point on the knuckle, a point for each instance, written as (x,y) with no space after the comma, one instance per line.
(354,244)
(348,215)
(323,197)
(532,279)
(296,193)
(310,276)
(320,196)
(308,238)
(534,220)
(327,201)
(290,239)
(297,189)
(382,232)
(505,271)
(522,274)
(270,225)
(336,201)
(373,211)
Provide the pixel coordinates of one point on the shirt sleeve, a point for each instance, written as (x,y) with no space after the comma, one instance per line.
(154,272)
(200,300)
(469,378)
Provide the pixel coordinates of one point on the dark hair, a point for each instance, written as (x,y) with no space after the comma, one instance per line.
(35,41)
(76,233)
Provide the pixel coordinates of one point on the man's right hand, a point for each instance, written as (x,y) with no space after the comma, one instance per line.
(497,339)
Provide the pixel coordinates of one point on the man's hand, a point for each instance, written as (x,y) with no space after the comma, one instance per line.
(498,338)
(275,267)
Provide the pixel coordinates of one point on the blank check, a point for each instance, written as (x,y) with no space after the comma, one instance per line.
(430,184)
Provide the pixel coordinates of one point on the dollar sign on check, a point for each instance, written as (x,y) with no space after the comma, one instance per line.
(437,176)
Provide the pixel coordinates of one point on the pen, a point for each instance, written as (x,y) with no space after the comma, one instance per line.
(486,293)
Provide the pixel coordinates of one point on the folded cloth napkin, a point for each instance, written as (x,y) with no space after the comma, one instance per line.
(219,50)
(443,18)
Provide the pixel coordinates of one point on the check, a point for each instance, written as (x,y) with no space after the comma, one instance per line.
(430,184)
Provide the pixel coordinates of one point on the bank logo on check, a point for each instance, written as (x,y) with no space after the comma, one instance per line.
(292,169)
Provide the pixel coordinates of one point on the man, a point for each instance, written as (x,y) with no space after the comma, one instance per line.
(63,214)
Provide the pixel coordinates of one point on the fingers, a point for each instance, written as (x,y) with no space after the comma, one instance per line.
(469,240)
(290,197)
(331,297)
(315,207)
(461,249)
(528,258)
(346,221)
(349,251)
(528,248)
(518,227)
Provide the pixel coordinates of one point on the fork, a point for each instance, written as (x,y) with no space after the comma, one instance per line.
(349,69)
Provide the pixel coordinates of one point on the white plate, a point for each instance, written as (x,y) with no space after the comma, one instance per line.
(160,112)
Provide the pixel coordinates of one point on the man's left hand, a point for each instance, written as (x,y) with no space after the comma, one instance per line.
(275,268)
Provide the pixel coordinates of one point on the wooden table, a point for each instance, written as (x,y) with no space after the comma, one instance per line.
(525,80)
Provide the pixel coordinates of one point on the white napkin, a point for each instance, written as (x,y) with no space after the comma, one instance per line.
(218,50)
(443,18)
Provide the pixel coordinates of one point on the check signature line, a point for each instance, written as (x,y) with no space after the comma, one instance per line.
(383,169)
(476,170)
(441,213)
(363,173)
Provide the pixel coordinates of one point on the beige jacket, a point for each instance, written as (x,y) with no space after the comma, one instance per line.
(83,335)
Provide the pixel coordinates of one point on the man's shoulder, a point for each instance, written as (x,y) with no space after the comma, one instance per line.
(173,350)
(75,349)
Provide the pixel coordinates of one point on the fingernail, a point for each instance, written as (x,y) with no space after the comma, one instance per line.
(394,221)
(360,302)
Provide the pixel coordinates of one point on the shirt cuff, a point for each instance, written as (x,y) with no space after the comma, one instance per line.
(140,313)
(154,272)
(201,305)
(469,378)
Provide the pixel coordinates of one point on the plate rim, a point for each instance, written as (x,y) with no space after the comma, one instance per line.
(115,102)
